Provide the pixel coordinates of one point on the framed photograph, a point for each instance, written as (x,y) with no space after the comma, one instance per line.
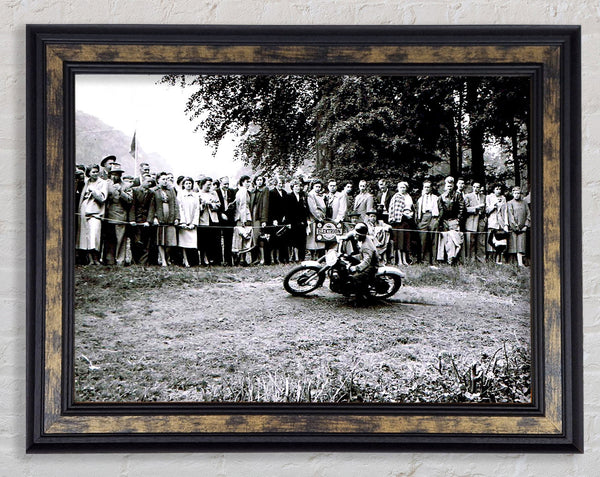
(293,238)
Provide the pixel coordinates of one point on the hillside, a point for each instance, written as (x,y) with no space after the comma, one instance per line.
(94,139)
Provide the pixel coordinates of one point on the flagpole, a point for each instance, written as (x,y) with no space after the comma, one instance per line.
(137,170)
(133,150)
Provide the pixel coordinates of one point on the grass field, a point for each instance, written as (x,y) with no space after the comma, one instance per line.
(451,334)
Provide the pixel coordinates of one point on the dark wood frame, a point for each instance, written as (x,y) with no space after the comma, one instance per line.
(550,55)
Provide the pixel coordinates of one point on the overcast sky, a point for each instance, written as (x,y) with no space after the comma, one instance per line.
(136,103)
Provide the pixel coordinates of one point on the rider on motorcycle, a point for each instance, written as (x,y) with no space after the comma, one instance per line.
(352,269)
(363,272)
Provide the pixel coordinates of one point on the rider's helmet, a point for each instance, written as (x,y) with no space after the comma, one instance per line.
(361,230)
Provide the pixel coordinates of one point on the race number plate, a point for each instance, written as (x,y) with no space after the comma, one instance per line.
(328,231)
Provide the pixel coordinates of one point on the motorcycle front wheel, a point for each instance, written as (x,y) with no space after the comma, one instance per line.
(385,286)
(302,280)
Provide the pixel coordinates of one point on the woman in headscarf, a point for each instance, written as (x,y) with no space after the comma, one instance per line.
(91,212)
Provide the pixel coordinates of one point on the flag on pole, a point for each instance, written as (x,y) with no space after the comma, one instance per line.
(133,145)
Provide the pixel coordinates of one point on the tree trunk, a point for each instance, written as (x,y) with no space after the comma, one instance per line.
(454,169)
(477,166)
(321,162)
(321,156)
(528,155)
(475,132)
(459,131)
(515,154)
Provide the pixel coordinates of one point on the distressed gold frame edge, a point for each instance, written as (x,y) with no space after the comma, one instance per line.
(551,423)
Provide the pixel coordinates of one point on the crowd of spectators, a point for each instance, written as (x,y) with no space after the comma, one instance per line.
(157,219)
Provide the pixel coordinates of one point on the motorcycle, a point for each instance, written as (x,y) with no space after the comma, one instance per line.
(335,265)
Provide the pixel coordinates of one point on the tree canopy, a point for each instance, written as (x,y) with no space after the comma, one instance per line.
(367,126)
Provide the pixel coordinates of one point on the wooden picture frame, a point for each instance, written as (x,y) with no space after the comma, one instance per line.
(550,55)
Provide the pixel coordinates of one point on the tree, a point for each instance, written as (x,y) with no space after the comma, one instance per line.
(475,107)
(374,126)
(268,113)
(351,126)
(497,109)
(508,118)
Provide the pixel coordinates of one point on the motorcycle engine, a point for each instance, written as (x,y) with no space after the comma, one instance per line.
(335,281)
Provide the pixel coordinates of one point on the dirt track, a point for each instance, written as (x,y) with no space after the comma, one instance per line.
(199,340)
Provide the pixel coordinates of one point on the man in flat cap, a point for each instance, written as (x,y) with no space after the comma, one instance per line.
(118,204)
(107,164)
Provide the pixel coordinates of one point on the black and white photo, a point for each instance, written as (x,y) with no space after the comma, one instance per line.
(302,239)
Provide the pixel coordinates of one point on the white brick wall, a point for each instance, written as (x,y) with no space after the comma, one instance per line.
(14,14)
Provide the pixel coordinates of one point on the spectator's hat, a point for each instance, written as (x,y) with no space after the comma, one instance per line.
(354,213)
(116,167)
(372,212)
(106,159)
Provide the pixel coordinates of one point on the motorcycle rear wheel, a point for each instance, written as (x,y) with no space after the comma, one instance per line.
(393,285)
(302,280)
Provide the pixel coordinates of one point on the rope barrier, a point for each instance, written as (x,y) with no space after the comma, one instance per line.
(287,226)
(143,224)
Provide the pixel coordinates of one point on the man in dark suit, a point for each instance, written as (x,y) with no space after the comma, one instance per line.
(277,213)
(475,224)
(144,169)
(226,212)
(383,199)
(296,216)
(382,205)
(118,203)
(142,234)
(451,206)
